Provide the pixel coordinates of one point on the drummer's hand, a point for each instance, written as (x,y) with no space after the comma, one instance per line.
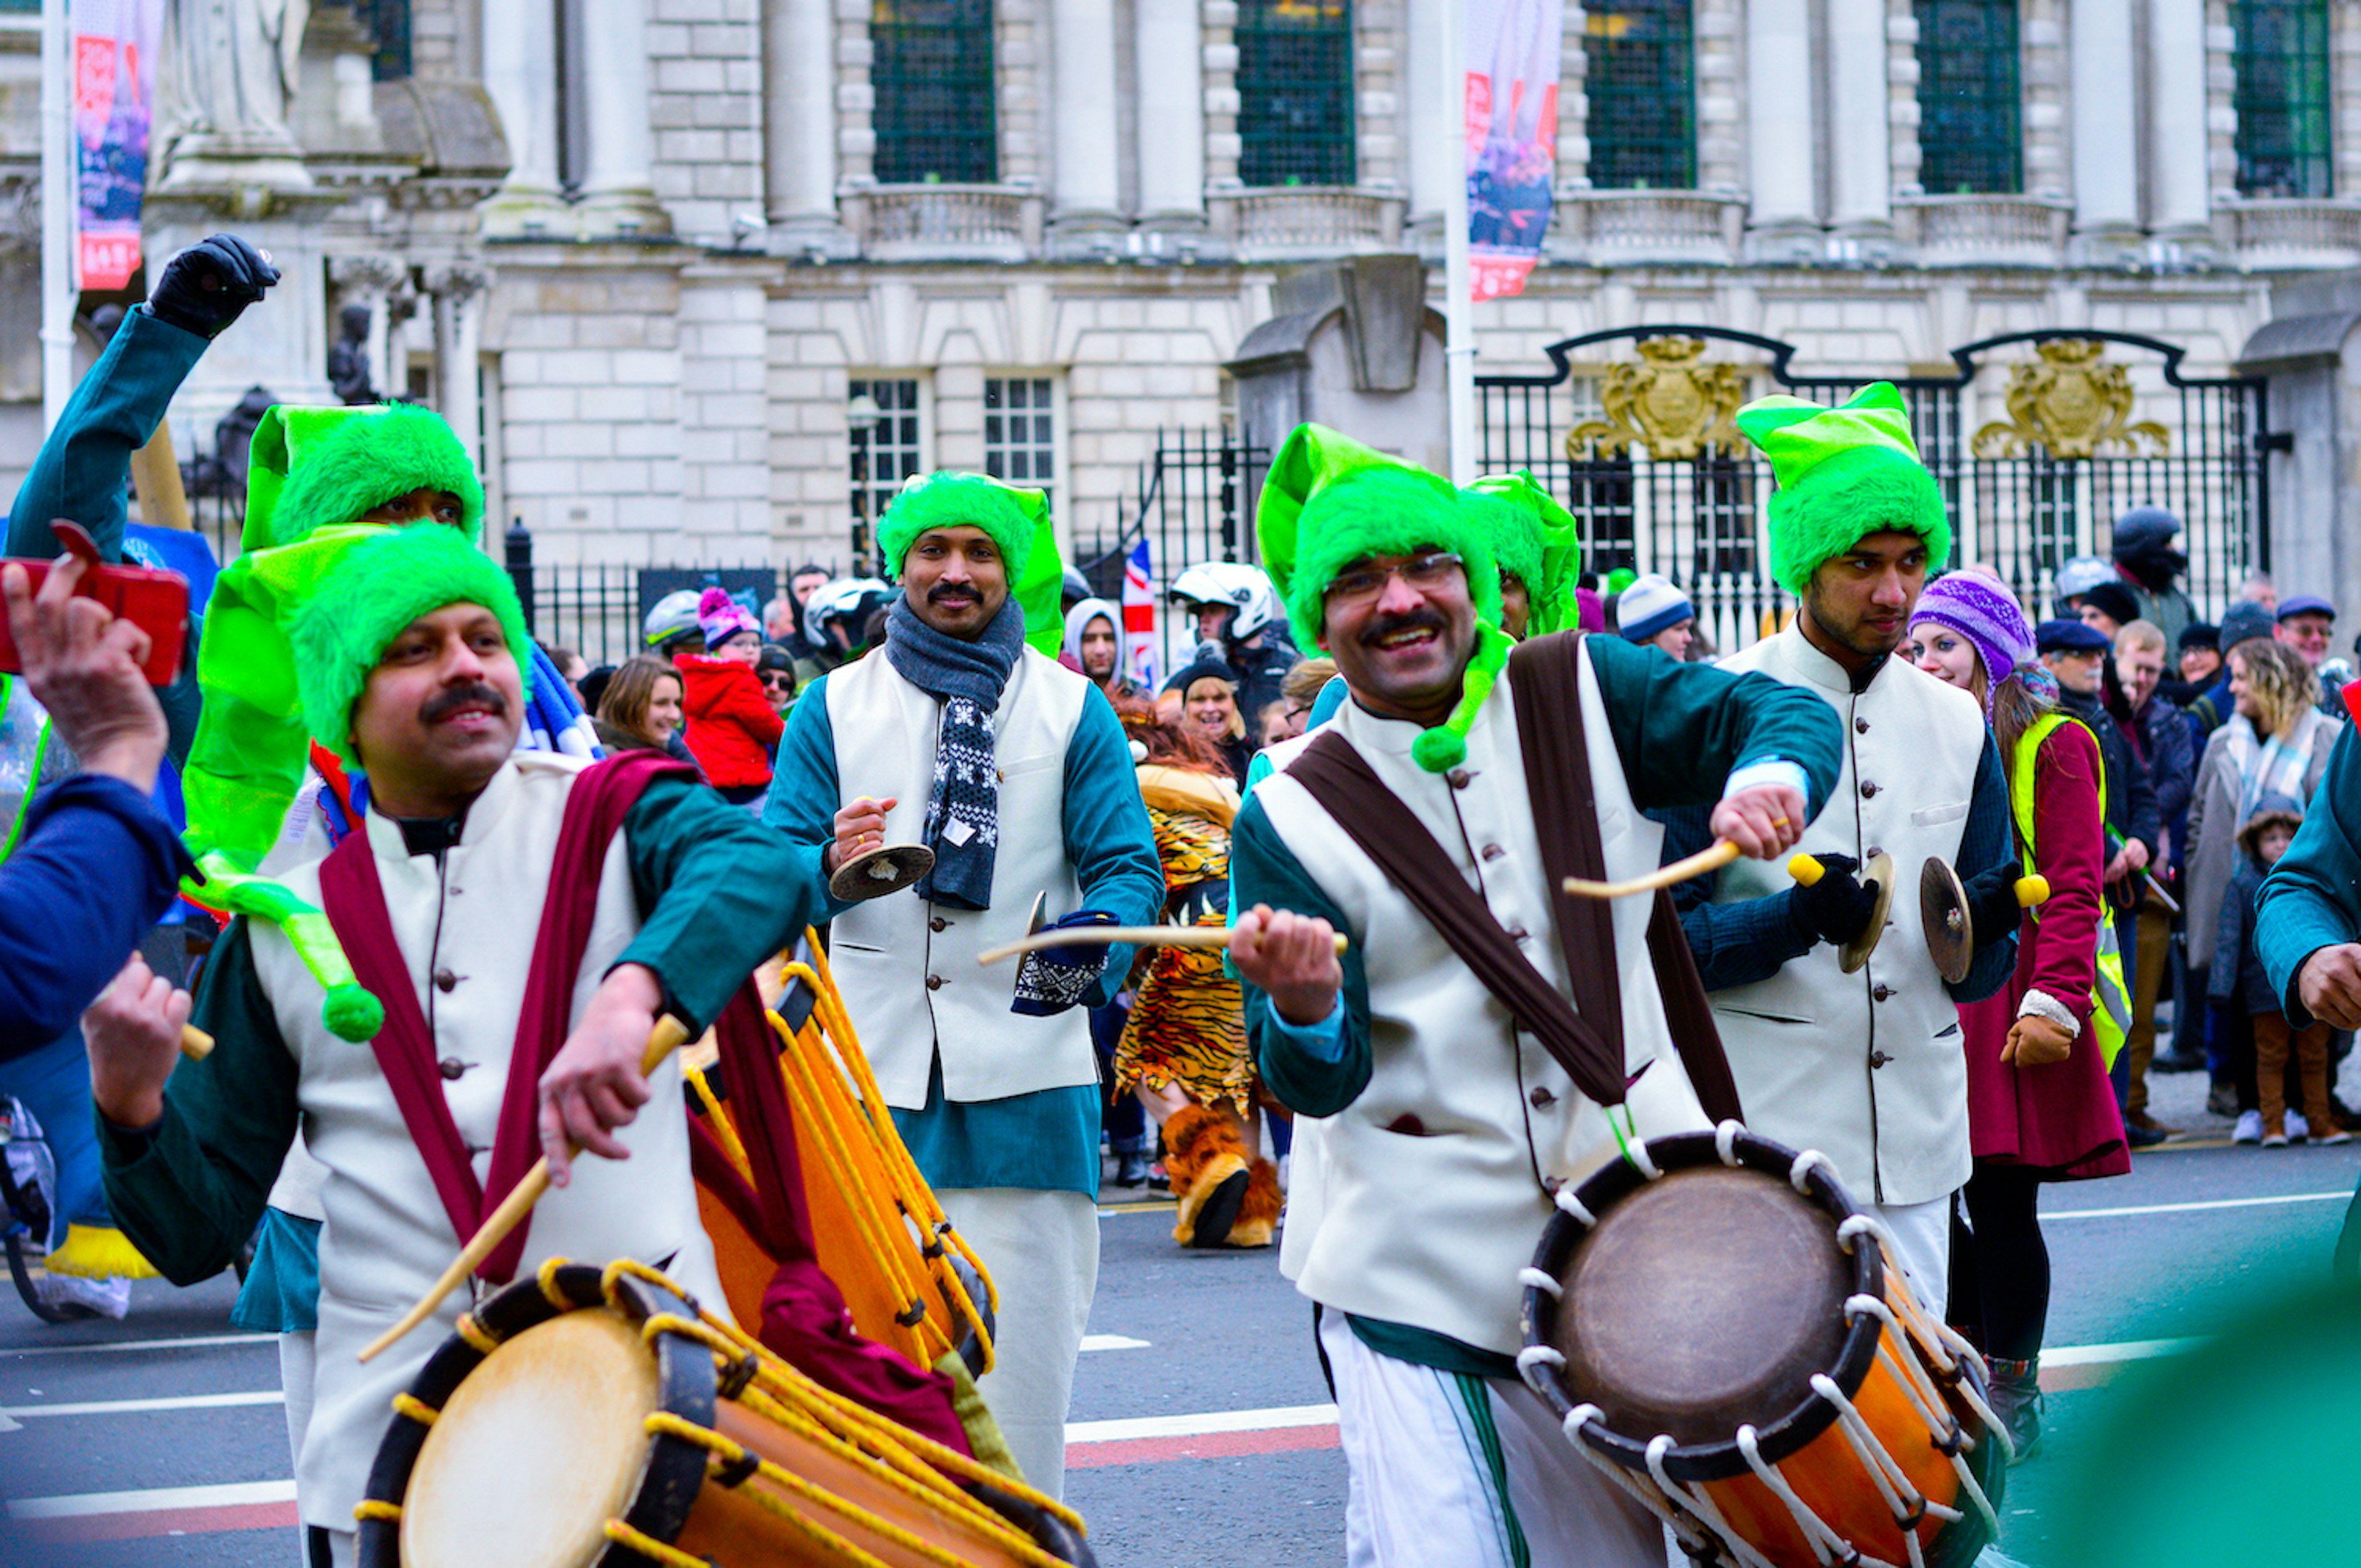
(1293,958)
(133,1035)
(595,1084)
(1763,821)
(860,826)
(2035,1041)
(2329,985)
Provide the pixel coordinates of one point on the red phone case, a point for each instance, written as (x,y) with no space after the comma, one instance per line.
(155,601)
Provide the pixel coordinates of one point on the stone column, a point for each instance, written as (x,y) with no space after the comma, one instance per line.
(1861,189)
(1435,160)
(458,289)
(1167,41)
(521,75)
(799,129)
(371,280)
(2180,208)
(1782,222)
(1085,202)
(2105,135)
(618,195)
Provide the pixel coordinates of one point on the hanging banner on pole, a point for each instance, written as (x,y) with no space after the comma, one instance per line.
(1511,127)
(113,91)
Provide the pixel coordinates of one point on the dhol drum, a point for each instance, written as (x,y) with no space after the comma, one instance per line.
(1729,1338)
(590,1417)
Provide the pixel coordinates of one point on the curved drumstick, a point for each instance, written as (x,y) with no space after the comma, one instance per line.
(1138,935)
(1703,861)
(667,1038)
(195,1044)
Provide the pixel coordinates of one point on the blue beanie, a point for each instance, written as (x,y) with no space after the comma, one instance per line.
(1649,606)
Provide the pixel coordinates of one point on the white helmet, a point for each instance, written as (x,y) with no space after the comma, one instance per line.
(671,616)
(1245,589)
(839,598)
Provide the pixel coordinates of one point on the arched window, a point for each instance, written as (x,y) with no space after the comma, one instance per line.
(1641,84)
(1969,116)
(930,68)
(1295,92)
(2282,96)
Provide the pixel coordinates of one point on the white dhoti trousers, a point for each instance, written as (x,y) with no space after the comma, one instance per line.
(1923,1231)
(1042,1251)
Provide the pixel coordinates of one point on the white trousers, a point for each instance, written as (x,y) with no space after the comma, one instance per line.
(1042,1250)
(1923,1231)
(1471,1472)
(296,1362)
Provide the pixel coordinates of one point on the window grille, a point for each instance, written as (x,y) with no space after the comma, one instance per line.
(1020,443)
(930,68)
(889,454)
(387,21)
(1643,118)
(1970,112)
(2281,51)
(1295,92)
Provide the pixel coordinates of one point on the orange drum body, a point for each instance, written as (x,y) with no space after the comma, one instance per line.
(1724,1333)
(580,1418)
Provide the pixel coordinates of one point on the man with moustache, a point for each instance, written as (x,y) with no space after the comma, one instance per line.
(1445,1122)
(1016,773)
(523,921)
(1866,1067)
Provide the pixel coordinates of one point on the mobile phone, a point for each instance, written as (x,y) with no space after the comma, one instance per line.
(155,601)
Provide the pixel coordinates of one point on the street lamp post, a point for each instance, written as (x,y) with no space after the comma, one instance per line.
(862,415)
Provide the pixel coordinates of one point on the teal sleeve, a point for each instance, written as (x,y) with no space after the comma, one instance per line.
(83,468)
(190,1190)
(719,894)
(1681,729)
(802,802)
(1311,1071)
(2312,898)
(1986,841)
(1109,841)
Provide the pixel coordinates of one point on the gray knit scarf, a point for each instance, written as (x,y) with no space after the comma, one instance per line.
(963,812)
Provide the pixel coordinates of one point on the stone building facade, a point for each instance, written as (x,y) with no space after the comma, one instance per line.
(695,308)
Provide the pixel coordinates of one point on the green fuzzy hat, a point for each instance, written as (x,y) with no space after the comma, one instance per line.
(375,589)
(1536,538)
(1010,514)
(1327,501)
(313,467)
(1844,474)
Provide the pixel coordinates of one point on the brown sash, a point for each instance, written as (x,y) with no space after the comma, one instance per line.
(1587,1040)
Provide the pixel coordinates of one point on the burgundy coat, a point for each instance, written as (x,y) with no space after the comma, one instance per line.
(2060,1118)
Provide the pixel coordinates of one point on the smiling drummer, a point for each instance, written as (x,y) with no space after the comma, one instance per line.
(1448,1120)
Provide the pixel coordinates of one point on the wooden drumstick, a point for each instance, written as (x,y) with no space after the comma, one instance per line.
(1703,861)
(195,1044)
(667,1038)
(1138,935)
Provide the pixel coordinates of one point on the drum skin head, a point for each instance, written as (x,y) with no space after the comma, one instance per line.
(1706,1299)
(535,1451)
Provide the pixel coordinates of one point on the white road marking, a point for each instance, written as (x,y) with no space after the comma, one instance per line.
(236,1494)
(1111,1342)
(142,1406)
(1201,1424)
(2125,1350)
(194,1342)
(2196,1208)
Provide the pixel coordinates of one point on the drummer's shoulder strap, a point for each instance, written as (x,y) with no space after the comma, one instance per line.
(1545,677)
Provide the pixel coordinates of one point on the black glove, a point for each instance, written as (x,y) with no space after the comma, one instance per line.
(1837,907)
(205,287)
(1051,979)
(1993,909)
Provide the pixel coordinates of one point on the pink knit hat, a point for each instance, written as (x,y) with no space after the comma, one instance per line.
(720,618)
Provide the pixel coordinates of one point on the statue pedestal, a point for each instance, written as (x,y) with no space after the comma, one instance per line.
(280,344)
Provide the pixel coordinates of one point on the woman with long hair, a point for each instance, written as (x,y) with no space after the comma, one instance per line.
(1208,690)
(2040,1108)
(641,709)
(2276,743)
(1184,1049)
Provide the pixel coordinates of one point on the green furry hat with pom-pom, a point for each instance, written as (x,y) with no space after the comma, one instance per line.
(1536,539)
(1844,474)
(1327,503)
(309,469)
(1017,519)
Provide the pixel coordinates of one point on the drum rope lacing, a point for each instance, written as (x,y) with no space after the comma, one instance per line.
(1700,1503)
(1693,1538)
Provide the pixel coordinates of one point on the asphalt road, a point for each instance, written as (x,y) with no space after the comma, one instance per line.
(1200,1432)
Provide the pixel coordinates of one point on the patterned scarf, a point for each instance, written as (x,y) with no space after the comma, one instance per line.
(963,812)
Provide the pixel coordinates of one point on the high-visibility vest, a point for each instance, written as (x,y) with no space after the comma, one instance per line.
(2110,999)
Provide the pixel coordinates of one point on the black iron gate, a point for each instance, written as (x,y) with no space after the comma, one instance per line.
(2040,440)
(1195,504)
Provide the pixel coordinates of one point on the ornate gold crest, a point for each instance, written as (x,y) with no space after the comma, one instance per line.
(2070,402)
(1668,403)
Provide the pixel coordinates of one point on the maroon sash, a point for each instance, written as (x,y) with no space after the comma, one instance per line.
(355,900)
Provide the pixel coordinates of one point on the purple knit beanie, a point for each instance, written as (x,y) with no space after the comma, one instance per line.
(1981,611)
(720,618)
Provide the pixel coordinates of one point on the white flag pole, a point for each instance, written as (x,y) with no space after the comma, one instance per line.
(1459,353)
(56,214)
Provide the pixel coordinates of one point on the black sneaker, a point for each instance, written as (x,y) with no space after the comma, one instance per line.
(2141,1137)
(1131,1169)
(2174,1061)
(2015,1388)
(2222,1099)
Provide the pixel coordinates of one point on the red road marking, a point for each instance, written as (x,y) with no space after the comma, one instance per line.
(1213,1445)
(154,1522)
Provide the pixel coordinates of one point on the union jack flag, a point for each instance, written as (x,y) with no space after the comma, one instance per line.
(1139,617)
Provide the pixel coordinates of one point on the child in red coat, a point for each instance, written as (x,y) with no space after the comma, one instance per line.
(732,725)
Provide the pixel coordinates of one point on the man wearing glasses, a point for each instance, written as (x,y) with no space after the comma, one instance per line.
(1446,1123)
